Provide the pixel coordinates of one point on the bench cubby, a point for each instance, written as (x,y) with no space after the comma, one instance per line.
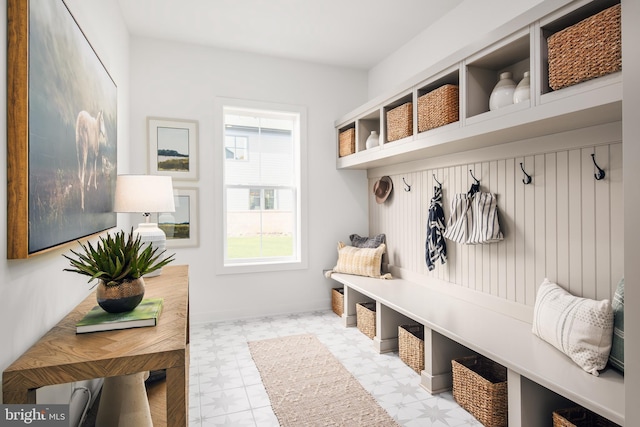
(540,378)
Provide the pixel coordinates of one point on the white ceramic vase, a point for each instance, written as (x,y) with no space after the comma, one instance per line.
(522,92)
(502,94)
(372,140)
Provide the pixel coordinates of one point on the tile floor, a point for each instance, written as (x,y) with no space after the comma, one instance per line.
(226,390)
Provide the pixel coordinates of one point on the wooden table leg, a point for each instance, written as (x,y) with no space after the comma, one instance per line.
(21,396)
(177,396)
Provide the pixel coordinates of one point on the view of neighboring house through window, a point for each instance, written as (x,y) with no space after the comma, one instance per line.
(261,186)
(235,147)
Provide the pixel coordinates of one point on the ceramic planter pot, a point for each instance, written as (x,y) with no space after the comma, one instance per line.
(120,298)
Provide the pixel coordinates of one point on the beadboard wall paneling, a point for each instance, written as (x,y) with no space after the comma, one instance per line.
(564,225)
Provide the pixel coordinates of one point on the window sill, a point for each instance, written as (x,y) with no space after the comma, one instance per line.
(260,267)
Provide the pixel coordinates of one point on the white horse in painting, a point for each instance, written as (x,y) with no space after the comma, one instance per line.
(90,134)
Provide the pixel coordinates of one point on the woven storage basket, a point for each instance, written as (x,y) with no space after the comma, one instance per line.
(347,140)
(366,318)
(411,346)
(579,417)
(589,49)
(438,108)
(480,387)
(337,301)
(400,122)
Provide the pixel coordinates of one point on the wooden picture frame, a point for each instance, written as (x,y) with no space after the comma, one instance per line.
(181,226)
(61,131)
(173,148)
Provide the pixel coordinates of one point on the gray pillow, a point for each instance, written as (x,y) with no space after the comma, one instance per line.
(367,242)
(616,357)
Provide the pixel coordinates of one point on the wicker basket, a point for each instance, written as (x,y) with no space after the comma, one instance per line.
(366,318)
(589,49)
(579,417)
(480,387)
(400,122)
(337,301)
(347,140)
(438,108)
(411,346)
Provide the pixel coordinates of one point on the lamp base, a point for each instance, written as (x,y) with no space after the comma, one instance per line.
(150,234)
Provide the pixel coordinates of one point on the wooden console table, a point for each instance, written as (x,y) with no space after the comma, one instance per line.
(61,356)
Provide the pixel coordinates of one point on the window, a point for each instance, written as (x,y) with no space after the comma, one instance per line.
(235,147)
(262,199)
(262,186)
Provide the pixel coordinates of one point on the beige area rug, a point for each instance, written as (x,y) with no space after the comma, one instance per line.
(308,386)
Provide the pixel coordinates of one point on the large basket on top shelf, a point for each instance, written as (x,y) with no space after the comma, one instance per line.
(579,417)
(366,318)
(400,122)
(438,107)
(411,346)
(347,142)
(589,49)
(480,387)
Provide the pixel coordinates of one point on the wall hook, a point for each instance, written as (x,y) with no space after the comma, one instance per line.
(527,178)
(407,187)
(436,180)
(475,179)
(474,187)
(600,174)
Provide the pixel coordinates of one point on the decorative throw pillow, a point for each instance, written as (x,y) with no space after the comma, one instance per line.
(367,242)
(581,328)
(359,261)
(616,357)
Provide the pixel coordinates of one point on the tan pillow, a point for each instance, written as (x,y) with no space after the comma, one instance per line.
(359,261)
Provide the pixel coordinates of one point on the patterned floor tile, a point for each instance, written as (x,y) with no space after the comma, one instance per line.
(226,388)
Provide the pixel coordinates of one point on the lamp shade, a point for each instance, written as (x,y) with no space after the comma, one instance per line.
(144,194)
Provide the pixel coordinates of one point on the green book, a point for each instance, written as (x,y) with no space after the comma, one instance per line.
(145,314)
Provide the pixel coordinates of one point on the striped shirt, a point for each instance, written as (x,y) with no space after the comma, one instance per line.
(474,219)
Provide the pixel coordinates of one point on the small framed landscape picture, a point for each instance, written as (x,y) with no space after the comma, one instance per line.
(173,148)
(181,226)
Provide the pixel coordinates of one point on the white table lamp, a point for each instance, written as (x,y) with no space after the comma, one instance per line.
(146,194)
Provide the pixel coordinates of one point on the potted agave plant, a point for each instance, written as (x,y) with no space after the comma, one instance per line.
(118,262)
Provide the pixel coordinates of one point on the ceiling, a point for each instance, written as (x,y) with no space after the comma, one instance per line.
(350,33)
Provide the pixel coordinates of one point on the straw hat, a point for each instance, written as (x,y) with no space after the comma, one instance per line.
(382,188)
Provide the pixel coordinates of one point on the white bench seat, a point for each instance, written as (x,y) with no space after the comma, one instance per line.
(500,337)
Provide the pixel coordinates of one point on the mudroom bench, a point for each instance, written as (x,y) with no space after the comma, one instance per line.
(540,379)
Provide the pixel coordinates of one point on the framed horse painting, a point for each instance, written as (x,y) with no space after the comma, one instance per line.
(61,130)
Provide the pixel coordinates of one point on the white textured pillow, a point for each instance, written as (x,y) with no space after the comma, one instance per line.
(359,261)
(581,328)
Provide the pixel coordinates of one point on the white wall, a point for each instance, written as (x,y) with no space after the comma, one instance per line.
(35,293)
(463,26)
(182,81)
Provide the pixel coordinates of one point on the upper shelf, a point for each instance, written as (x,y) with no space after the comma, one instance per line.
(548,111)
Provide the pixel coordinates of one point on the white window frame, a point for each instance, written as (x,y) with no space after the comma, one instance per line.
(299,260)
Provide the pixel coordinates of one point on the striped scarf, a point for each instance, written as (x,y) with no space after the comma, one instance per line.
(435,246)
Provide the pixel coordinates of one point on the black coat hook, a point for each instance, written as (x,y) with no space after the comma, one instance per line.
(474,178)
(436,180)
(527,178)
(600,174)
(474,187)
(407,187)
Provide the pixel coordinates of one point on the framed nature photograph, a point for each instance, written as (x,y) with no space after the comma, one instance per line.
(61,131)
(173,148)
(181,226)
